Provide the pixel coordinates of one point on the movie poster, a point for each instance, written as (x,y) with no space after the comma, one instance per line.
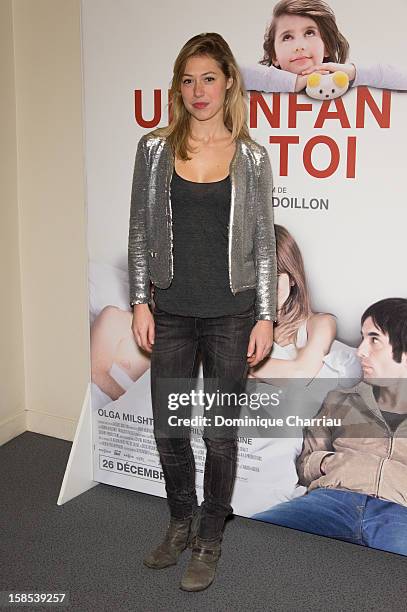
(335,138)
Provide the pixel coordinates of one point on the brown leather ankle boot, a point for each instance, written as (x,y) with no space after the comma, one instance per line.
(201,569)
(179,535)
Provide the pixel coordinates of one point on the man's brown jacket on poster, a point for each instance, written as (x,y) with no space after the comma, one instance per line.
(363,454)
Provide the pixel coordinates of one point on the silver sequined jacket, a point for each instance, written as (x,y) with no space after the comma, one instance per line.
(251,239)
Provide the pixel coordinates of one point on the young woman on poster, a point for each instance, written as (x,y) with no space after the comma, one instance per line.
(302,338)
(302,341)
(201,230)
(303,37)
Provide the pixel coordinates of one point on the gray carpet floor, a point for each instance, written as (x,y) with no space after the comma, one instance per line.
(92,547)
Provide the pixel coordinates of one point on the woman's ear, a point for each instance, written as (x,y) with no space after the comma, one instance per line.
(229,83)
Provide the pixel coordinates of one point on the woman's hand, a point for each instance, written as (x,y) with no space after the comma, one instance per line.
(143,327)
(260,343)
(327,67)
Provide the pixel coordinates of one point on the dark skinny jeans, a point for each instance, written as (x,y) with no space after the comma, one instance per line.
(222,343)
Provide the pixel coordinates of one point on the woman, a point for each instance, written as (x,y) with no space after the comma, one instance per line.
(209,251)
(302,338)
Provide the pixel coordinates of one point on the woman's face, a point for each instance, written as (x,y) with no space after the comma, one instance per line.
(298,44)
(283,289)
(203,87)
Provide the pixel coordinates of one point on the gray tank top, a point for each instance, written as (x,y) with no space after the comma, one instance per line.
(200,286)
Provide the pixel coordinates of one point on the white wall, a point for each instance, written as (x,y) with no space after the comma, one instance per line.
(44,318)
(12,397)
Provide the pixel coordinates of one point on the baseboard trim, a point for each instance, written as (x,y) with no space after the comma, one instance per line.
(51,425)
(12,427)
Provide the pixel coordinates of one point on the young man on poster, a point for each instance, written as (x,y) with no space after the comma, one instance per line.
(356,474)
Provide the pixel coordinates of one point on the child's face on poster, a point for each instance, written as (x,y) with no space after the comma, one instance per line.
(298,44)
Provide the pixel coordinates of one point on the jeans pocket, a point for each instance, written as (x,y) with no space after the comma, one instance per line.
(158,311)
(246,314)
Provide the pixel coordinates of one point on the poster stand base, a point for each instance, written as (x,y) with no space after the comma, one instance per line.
(78,476)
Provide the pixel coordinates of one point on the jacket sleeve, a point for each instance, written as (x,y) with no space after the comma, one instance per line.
(139,278)
(265,244)
(317,444)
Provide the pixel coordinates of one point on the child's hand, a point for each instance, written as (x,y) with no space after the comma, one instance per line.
(301,81)
(328,67)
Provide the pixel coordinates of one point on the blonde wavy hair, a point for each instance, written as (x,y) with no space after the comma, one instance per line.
(297,307)
(235,108)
